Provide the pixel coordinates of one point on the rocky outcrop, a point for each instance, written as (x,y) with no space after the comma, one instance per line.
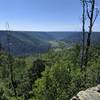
(89,94)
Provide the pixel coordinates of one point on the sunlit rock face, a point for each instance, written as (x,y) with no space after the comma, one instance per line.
(89,94)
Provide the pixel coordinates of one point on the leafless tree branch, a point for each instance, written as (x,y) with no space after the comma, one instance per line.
(97,13)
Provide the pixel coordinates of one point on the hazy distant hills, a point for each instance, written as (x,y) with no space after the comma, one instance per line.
(24,43)
(27,42)
(76,37)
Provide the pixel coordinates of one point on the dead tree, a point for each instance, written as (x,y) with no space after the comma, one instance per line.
(92,14)
(83,34)
(10,60)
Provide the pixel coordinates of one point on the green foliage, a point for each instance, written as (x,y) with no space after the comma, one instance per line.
(54,85)
(2,95)
(56,75)
(3,66)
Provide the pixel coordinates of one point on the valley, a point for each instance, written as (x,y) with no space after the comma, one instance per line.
(31,42)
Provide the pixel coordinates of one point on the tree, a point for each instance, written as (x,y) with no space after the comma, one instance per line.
(54,84)
(92,14)
(10,61)
(35,71)
(83,32)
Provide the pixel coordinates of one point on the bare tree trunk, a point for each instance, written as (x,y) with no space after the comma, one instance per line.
(83,33)
(91,16)
(10,61)
(10,65)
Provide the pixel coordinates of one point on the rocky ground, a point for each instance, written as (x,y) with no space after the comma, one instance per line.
(89,94)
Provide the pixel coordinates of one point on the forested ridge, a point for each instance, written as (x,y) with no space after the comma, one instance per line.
(56,74)
(49,76)
(31,42)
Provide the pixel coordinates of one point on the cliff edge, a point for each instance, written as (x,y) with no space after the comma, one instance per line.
(89,94)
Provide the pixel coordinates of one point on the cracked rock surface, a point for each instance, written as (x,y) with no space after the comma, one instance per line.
(89,94)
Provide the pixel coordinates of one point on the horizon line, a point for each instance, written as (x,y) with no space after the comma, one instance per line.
(42,31)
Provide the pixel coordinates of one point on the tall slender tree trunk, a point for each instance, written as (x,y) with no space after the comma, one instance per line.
(10,62)
(11,74)
(90,32)
(83,32)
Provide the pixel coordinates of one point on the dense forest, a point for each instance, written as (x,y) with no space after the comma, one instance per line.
(49,76)
(56,74)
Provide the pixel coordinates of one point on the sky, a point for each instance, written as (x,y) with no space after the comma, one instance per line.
(43,15)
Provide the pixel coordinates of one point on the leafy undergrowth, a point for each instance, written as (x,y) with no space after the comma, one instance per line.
(50,76)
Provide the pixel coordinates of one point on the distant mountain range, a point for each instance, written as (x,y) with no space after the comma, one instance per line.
(30,42)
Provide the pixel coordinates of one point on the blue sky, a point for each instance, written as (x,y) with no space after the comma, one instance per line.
(43,15)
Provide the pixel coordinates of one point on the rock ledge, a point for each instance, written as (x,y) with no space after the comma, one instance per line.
(89,94)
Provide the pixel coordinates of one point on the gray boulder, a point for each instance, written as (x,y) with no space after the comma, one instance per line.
(89,94)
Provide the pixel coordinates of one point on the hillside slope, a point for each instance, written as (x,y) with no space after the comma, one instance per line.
(29,42)
(21,43)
